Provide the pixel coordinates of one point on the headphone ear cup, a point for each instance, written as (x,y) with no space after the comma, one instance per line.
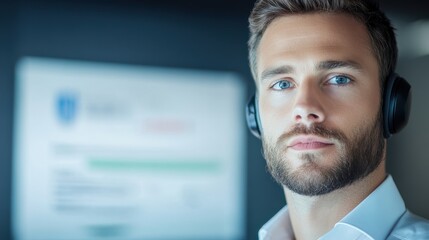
(396,104)
(252,117)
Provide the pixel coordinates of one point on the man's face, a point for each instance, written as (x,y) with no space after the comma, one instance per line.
(319,102)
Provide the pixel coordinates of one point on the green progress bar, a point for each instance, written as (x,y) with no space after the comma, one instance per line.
(154,165)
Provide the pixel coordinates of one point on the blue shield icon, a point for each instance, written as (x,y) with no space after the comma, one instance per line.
(66,107)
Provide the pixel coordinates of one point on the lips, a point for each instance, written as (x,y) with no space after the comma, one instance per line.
(309,143)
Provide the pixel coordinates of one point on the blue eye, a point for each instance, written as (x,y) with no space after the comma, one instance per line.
(281,85)
(339,80)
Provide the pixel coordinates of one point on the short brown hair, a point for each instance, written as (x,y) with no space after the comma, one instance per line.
(380,30)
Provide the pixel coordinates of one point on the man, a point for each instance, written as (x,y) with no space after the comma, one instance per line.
(327,99)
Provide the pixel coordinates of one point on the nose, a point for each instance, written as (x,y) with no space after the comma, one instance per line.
(308,108)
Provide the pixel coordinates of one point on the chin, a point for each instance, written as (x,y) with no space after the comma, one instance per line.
(309,172)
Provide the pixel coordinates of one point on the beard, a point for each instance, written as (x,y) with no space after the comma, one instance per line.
(357,157)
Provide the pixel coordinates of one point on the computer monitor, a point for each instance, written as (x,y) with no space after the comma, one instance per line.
(116,151)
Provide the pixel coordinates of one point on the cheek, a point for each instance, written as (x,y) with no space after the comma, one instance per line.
(355,109)
(275,111)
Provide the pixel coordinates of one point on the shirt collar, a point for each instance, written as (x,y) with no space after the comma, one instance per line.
(278,227)
(377,214)
(374,217)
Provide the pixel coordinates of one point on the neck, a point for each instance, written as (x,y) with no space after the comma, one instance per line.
(314,216)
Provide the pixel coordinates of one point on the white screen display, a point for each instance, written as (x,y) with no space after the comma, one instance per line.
(112,151)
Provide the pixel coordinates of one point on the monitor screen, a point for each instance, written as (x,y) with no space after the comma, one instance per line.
(116,151)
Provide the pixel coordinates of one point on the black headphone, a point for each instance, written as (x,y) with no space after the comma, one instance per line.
(396,107)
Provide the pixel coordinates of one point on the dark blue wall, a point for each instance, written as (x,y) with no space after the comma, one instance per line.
(7,38)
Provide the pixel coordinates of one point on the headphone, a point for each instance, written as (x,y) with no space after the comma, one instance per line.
(396,107)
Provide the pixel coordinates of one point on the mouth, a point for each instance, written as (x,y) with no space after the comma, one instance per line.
(309,142)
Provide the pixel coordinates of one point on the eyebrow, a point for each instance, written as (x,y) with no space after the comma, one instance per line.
(333,64)
(271,72)
(324,65)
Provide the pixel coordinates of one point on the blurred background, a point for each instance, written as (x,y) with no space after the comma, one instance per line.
(89,88)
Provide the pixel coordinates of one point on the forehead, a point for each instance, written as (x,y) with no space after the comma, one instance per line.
(314,37)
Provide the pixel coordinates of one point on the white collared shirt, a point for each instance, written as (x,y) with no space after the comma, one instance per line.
(373,219)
